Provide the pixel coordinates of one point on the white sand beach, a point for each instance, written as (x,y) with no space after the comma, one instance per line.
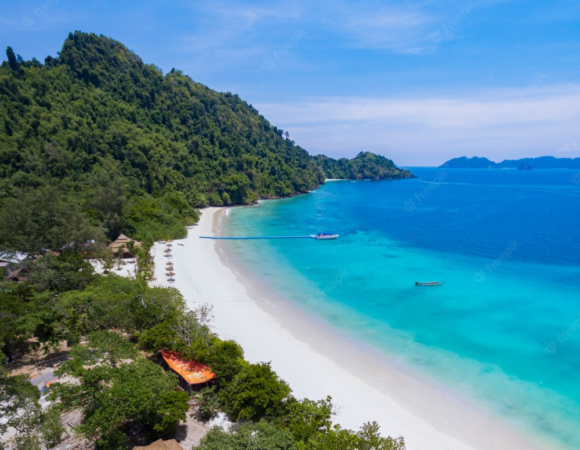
(317,361)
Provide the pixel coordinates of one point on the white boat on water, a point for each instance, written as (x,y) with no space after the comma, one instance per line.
(324,236)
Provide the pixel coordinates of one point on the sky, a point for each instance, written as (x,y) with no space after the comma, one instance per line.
(417,81)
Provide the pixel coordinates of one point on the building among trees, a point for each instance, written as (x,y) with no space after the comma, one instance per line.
(160,444)
(123,246)
(18,275)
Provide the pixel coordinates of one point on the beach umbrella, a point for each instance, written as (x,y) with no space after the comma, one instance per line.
(169,245)
(170,275)
(167,251)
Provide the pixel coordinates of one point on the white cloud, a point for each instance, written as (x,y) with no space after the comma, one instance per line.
(419,131)
(370,25)
(263,27)
(227,35)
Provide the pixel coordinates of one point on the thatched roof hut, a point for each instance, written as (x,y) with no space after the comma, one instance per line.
(171,444)
(120,246)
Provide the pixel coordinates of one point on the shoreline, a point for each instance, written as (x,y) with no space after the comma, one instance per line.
(364,386)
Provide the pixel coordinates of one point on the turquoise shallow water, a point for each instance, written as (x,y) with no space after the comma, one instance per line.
(504,330)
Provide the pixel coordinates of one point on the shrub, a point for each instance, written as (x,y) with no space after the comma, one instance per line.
(208,404)
(259,436)
(255,393)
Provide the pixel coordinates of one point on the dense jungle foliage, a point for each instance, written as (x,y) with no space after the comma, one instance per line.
(114,376)
(120,147)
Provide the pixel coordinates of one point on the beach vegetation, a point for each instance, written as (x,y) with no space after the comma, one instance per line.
(19,404)
(256,436)
(226,359)
(105,348)
(60,273)
(116,302)
(20,409)
(116,386)
(305,419)
(42,219)
(209,405)
(367,438)
(97,303)
(256,392)
(159,337)
(51,428)
(110,321)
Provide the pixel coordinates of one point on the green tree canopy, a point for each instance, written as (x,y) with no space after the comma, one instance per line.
(226,360)
(254,393)
(18,402)
(60,273)
(306,418)
(111,396)
(102,348)
(35,221)
(117,302)
(367,438)
(113,145)
(21,410)
(259,436)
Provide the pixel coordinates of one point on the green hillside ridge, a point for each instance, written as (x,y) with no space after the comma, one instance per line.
(542,162)
(122,147)
(469,163)
(364,166)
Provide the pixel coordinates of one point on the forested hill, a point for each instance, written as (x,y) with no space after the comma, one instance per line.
(365,166)
(129,149)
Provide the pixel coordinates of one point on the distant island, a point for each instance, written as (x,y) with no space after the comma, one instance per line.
(542,162)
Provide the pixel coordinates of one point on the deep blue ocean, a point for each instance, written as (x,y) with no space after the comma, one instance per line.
(504,329)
